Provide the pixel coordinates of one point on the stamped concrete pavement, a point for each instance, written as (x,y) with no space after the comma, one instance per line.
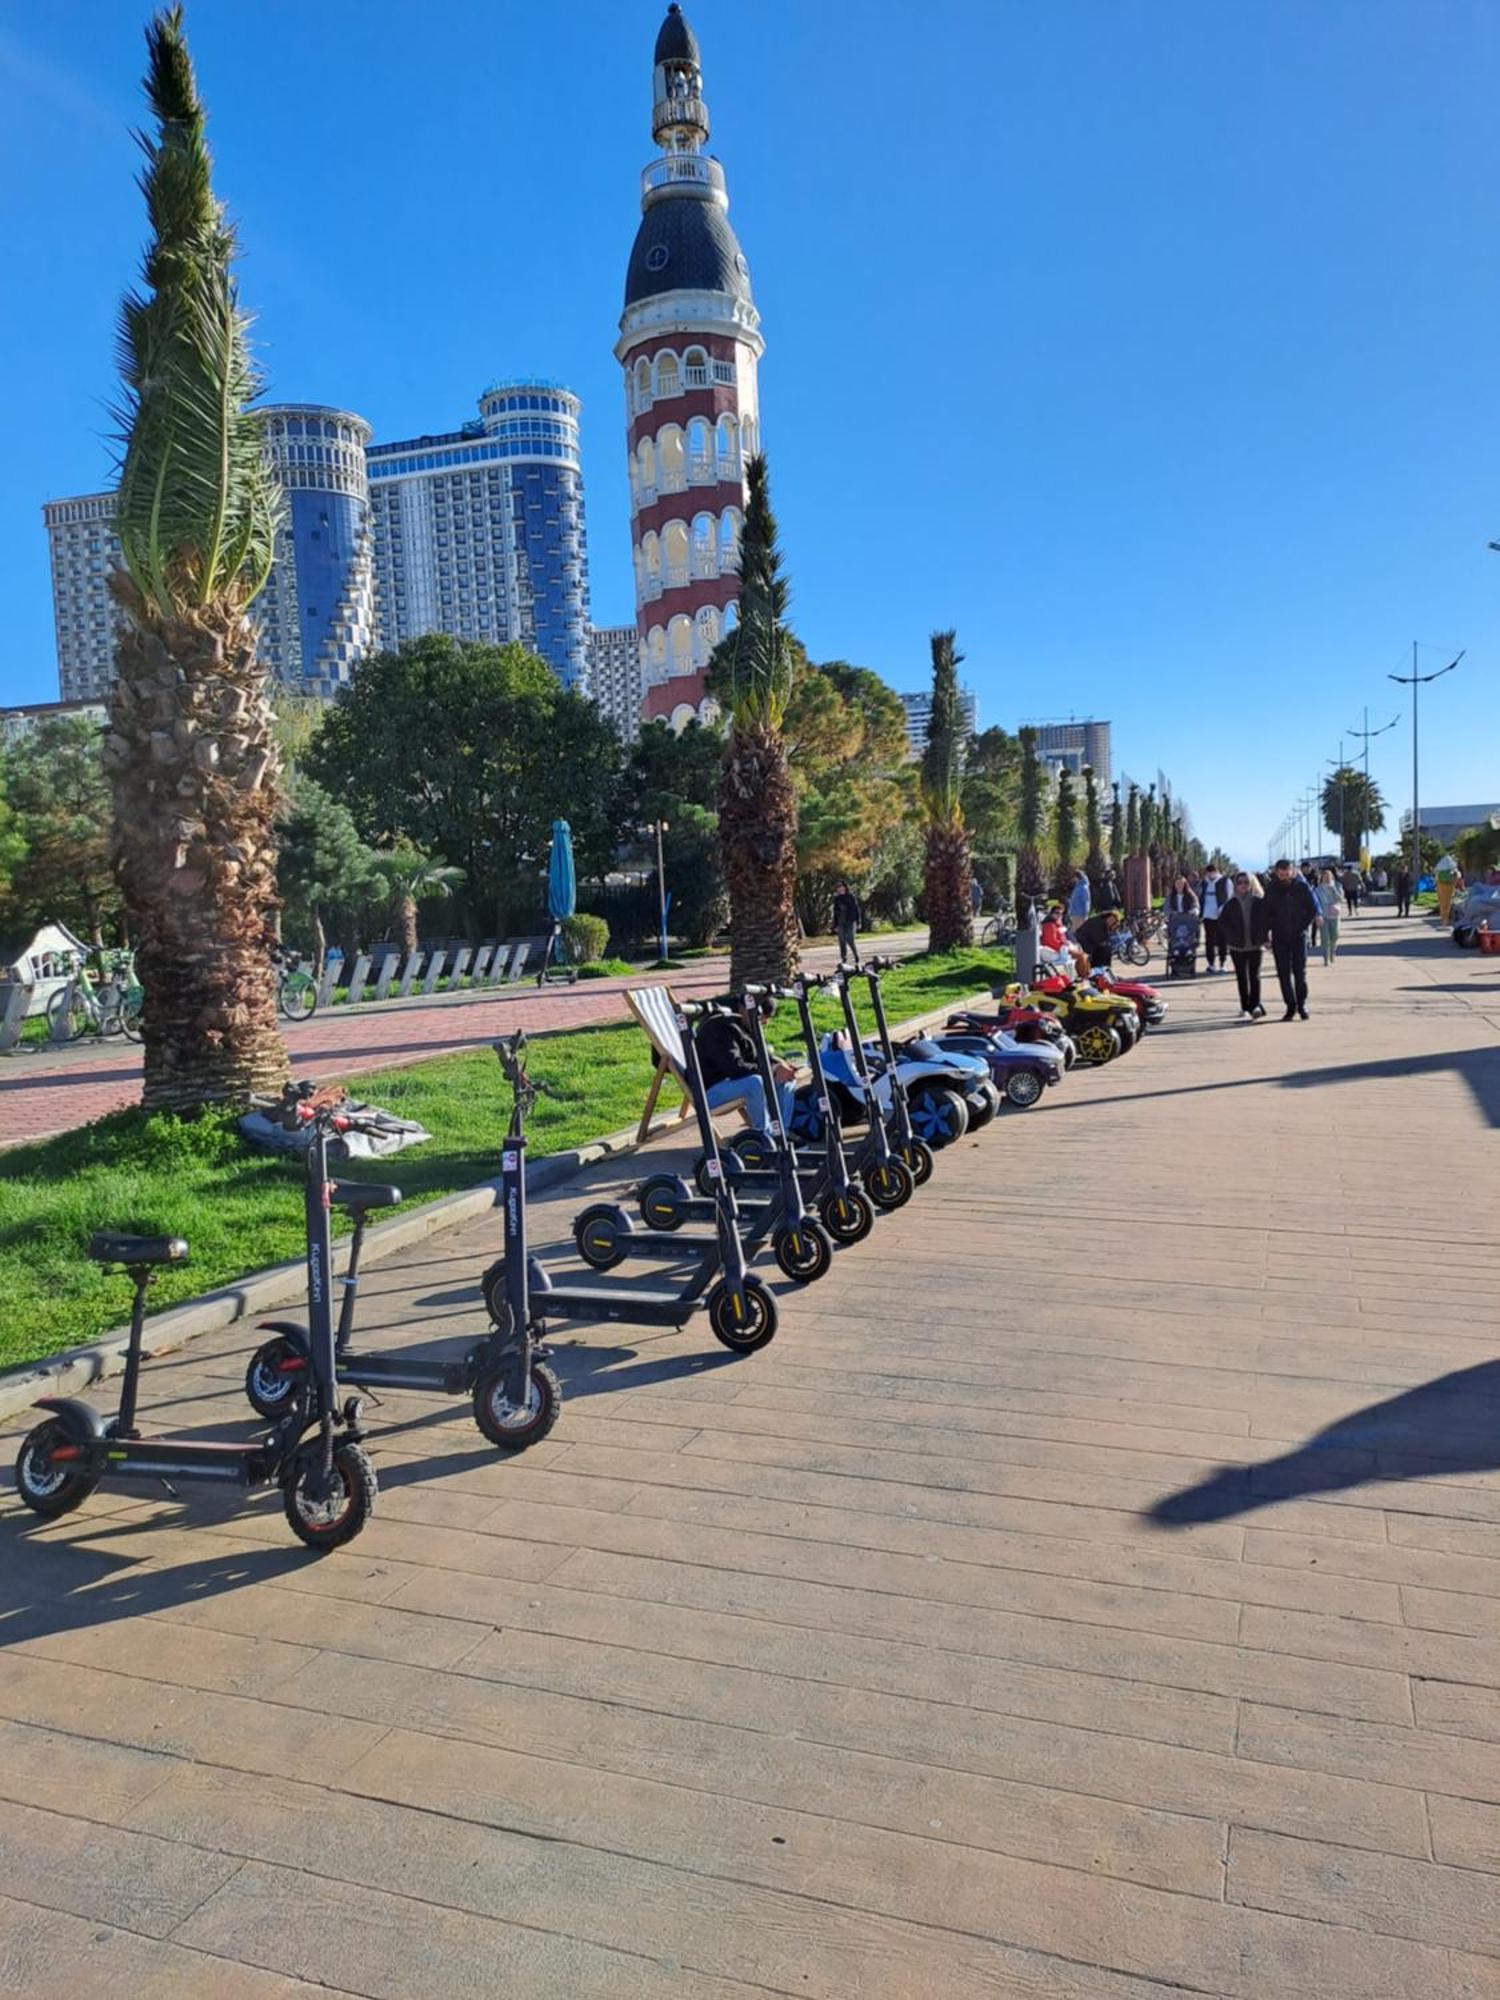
(1093,1591)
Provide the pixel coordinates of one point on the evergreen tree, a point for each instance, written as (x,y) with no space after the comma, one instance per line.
(1031,819)
(1093,829)
(946,874)
(1133,821)
(1116,829)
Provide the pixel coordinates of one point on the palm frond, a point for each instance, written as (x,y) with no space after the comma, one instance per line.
(197,509)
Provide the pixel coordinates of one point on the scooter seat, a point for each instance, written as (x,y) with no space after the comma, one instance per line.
(360,1196)
(110,1246)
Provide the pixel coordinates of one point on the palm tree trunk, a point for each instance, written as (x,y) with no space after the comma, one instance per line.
(950,916)
(758,839)
(406,918)
(193,762)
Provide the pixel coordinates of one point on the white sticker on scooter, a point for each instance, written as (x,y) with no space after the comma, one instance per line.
(712,1167)
(509,1162)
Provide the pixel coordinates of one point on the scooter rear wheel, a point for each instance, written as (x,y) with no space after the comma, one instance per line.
(339,1517)
(743,1327)
(919,1158)
(889,1183)
(48,1489)
(804,1252)
(660,1202)
(492,1291)
(596,1231)
(270,1388)
(509,1428)
(848,1218)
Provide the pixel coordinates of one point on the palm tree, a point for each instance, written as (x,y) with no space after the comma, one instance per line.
(757,805)
(946,873)
(190,745)
(410,874)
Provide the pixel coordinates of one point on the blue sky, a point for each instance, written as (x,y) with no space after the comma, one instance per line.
(1153,346)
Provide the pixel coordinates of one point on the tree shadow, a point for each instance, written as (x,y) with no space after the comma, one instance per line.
(1440,1428)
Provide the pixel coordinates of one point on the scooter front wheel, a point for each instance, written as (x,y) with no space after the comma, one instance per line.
(511,1427)
(803,1252)
(336,1517)
(660,1202)
(272,1382)
(918,1157)
(746,1322)
(47,1487)
(889,1183)
(847,1217)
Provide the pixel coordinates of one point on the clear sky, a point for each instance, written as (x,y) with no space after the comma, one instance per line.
(1153,346)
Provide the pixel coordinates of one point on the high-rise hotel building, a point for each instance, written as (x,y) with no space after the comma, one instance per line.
(480,531)
(689,348)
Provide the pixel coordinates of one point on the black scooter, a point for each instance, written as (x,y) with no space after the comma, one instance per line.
(314,1454)
(889,1180)
(515,1396)
(667,1202)
(606,1235)
(915,1152)
(519,1291)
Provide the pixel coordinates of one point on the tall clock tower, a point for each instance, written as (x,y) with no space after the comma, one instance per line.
(689,348)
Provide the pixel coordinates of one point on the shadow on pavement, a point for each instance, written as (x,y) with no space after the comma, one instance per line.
(1447,1426)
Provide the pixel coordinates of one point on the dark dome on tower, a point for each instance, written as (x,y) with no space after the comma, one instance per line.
(676,41)
(685,246)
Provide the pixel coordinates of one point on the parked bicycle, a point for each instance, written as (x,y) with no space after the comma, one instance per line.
(108,1005)
(1000,929)
(296,989)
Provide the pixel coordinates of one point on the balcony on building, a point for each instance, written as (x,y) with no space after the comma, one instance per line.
(678,169)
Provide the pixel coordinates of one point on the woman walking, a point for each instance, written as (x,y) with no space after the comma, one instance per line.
(1244,925)
(1332,905)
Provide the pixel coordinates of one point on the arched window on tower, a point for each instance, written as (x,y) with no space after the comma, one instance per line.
(700,453)
(645,455)
(651,562)
(749,434)
(695,369)
(680,644)
(729,542)
(675,564)
(642,384)
(667,379)
(727,442)
(705,546)
(656,653)
(671,460)
(706,634)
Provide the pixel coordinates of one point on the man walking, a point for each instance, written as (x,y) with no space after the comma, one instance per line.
(1354,888)
(1079,902)
(1291,909)
(846,921)
(1402,886)
(1213,894)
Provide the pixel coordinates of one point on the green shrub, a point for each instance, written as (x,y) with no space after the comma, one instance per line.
(606,968)
(587,938)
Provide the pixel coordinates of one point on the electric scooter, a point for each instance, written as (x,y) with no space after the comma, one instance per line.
(315,1453)
(667,1202)
(516,1398)
(606,1235)
(519,1291)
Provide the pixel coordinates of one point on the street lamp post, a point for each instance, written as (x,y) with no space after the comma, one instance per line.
(659,827)
(1365,736)
(1416,681)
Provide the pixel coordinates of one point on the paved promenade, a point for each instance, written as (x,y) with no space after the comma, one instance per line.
(1093,1593)
(54,1089)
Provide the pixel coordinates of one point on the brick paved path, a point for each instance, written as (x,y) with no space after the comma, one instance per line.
(56,1089)
(1093,1592)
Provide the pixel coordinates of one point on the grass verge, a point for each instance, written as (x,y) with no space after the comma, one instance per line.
(241,1210)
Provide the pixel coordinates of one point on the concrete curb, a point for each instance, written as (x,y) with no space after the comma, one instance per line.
(78,1368)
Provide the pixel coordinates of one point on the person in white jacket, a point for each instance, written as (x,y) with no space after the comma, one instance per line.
(1333,905)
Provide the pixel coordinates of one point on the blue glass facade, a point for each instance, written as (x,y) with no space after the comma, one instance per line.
(327,529)
(317,614)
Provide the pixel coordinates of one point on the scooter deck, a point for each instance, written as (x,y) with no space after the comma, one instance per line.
(614,1302)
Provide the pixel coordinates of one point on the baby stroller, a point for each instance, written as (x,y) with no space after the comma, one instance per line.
(1183,928)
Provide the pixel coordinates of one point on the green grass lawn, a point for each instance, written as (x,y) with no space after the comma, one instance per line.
(241,1210)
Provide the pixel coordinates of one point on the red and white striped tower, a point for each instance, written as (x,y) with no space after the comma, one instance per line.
(689,346)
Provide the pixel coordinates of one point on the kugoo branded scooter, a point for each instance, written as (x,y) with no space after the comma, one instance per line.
(606,1235)
(667,1202)
(519,1291)
(314,1453)
(514,1394)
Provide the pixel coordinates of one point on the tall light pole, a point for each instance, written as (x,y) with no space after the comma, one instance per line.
(1365,735)
(1415,682)
(659,827)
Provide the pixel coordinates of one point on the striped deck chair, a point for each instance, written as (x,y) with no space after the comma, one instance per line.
(656,1012)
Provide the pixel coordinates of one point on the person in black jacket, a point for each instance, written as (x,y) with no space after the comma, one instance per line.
(846,921)
(1402,887)
(1292,908)
(731,1072)
(1244,924)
